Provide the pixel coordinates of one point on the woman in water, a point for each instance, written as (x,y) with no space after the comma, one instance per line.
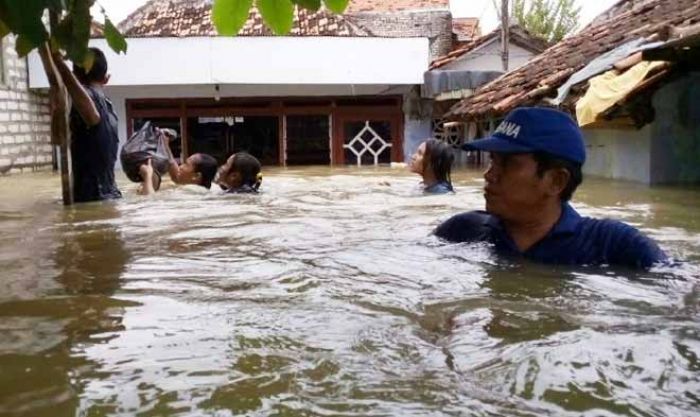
(433,161)
(240,174)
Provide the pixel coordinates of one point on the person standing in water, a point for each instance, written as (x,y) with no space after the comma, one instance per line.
(93,125)
(433,161)
(241,174)
(537,155)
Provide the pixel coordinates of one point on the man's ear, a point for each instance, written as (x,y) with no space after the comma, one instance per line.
(557,180)
(106,80)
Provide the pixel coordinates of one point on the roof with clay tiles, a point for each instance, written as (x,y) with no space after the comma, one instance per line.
(360,6)
(518,36)
(466,28)
(543,75)
(189,18)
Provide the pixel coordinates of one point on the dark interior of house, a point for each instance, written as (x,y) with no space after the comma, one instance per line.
(308,140)
(221,137)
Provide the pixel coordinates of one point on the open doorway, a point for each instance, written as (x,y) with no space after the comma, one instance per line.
(308,140)
(221,137)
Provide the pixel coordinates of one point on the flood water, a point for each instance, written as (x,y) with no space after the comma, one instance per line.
(327,296)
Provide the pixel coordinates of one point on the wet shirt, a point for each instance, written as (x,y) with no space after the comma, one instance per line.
(574,240)
(94,151)
(439,188)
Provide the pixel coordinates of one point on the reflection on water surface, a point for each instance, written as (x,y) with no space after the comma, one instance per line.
(326,295)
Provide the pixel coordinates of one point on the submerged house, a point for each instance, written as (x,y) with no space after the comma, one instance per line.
(335,91)
(467,67)
(632,80)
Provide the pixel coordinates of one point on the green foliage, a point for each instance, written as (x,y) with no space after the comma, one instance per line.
(337,6)
(550,19)
(68,28)
(229,16)
(115,40)
(312,5)
(278,14)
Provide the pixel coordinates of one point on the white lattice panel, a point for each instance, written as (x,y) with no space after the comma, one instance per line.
(360,146)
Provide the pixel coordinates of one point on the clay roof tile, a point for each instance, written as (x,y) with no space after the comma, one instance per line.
(625,21)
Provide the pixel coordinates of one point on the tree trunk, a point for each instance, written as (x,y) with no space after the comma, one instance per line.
(60,114)
(60,136)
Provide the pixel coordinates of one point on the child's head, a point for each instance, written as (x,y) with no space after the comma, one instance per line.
(240,170)
(433,158)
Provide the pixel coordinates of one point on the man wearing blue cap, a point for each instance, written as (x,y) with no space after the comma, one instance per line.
(536,160)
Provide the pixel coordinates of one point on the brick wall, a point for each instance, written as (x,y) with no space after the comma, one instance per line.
(435,25)
(25,130)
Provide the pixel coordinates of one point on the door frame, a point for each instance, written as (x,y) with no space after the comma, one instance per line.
(396,121)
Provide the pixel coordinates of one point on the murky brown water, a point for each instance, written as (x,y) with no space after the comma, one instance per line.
(326,296)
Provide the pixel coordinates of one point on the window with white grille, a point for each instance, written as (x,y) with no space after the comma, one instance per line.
(368,143)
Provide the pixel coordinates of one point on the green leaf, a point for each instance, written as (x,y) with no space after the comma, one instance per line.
(81,19)
(24,45)
(115,40)
(336,6)
(312,5)
(24,18)
(61,32)
(4,30)
(229,16)
(278,14)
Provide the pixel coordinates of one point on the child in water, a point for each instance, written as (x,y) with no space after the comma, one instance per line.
(433,161)
(240,174)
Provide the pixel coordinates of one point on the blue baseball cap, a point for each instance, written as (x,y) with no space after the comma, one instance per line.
(534,129)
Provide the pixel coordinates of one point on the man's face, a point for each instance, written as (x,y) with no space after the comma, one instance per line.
(513,190)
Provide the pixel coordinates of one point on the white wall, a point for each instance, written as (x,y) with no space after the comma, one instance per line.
(261,60)
(488,58)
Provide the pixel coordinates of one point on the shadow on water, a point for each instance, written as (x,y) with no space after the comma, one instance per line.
(73,259)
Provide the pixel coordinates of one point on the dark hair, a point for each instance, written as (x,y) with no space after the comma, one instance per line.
(205,165)
(439,158)
(546,162)
(249,169)
(98,71)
